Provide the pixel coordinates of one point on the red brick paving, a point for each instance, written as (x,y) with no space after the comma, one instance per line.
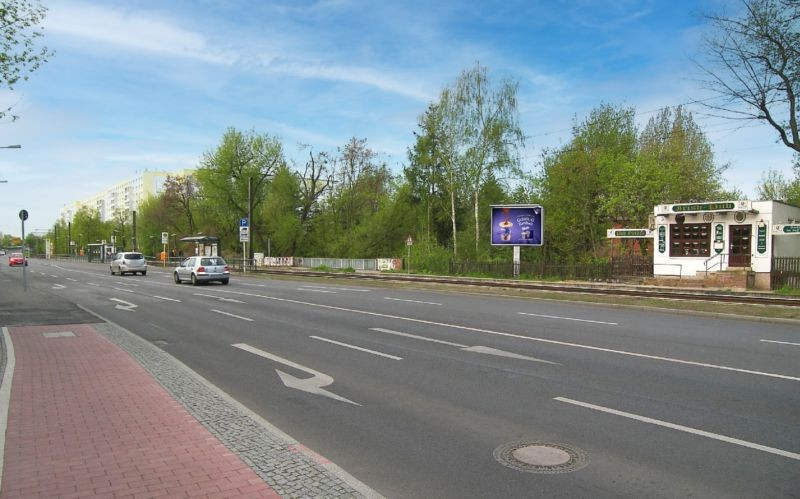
(85,420)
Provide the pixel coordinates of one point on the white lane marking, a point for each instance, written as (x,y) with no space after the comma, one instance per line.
(782,342)
(316,290)
(413,301)
(92,284)
(715,436)
(569,319)
(518,336)
(466,348)
(255,285)
(58,286)
(340,289)
(360,349)
(409,335)
(123,283)
(124,305)
(165,298)
(220,298)
(71,279)
(311,385)
(124,290)
(232,315)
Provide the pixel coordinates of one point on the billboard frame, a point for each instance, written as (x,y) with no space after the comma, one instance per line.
(529,220)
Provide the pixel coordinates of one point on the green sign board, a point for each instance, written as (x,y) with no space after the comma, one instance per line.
(629,233)
(662,239)
(791,229)
(761,241)
(719,231)
(677,208)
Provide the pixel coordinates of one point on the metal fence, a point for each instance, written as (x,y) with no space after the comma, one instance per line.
(634,267)
(785,272)
(338,263)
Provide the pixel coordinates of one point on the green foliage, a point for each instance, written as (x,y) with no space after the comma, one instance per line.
(19,31)
(243,163)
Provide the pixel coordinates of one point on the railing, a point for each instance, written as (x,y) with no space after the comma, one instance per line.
(785,272)
(723,259)
(680,268)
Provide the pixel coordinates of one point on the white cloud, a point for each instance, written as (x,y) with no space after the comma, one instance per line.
(130,30)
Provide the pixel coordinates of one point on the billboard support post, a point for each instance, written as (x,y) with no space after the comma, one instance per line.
(516,262)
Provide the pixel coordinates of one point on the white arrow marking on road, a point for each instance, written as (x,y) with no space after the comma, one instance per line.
(503,353)
(124,305)
(569,319)
(58,286)
(220,298)
(311,385)
(478,349)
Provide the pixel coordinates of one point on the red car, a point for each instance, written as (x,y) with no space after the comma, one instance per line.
(17,259)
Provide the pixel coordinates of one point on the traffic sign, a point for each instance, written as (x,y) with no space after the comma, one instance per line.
(164,237)
(243,222)
(23,215)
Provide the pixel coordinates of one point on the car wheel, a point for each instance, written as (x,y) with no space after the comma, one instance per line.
(112,270)
(194,280)
(177,278)
(224,281)
(144,273)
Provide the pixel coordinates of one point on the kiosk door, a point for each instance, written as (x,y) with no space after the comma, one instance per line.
(739,247)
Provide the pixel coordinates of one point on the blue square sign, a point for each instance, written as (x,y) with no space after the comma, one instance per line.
(243,222)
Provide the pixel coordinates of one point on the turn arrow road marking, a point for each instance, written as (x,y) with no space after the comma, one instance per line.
(311,385)
(124,305)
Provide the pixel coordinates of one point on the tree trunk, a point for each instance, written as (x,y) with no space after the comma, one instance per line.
(453,219)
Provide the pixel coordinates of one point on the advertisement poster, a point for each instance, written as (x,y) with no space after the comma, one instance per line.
(517,225)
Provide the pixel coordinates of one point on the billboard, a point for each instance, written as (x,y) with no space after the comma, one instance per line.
(517,225)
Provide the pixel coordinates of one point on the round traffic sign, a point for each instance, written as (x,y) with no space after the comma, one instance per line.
(23,215)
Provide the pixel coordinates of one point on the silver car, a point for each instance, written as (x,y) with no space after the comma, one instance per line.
(199,269)
(129,262)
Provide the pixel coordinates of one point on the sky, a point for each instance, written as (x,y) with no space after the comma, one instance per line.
(153,85)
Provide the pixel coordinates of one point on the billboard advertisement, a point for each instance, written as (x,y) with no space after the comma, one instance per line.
(517,225)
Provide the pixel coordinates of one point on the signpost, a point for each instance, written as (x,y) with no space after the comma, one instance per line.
(244,237)
(23,215)
(409,243)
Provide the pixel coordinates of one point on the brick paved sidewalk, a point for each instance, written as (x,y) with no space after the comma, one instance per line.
(85,420)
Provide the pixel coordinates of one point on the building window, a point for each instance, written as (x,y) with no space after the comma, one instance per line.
(690,239)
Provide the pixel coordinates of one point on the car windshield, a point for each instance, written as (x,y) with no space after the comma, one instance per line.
(133,256)
(16,255)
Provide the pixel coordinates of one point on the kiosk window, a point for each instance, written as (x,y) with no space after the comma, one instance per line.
(690,239)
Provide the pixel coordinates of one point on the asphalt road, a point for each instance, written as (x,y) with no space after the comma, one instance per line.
(422,393)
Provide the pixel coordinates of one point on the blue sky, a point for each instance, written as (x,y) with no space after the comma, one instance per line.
(138,85)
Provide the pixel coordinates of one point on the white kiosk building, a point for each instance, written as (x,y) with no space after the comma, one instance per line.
(733,239)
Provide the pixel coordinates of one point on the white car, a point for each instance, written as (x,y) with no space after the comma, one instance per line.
(129,262)
(197,269)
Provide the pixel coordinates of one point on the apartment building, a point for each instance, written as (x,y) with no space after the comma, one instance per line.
(124,196)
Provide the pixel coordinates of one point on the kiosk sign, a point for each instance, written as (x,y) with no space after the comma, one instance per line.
(517,225)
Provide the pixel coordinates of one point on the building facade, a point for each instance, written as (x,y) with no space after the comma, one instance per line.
(693,239)
(124,196)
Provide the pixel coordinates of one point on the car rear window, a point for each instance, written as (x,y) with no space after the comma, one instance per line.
(132,256)
(212,261)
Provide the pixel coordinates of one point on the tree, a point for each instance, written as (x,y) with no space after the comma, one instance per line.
(18,35)
(775,186)
(755,66)
(576,181)
(242,161)
(490,135)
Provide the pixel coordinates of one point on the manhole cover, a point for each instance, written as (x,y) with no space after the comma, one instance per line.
(541,457)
